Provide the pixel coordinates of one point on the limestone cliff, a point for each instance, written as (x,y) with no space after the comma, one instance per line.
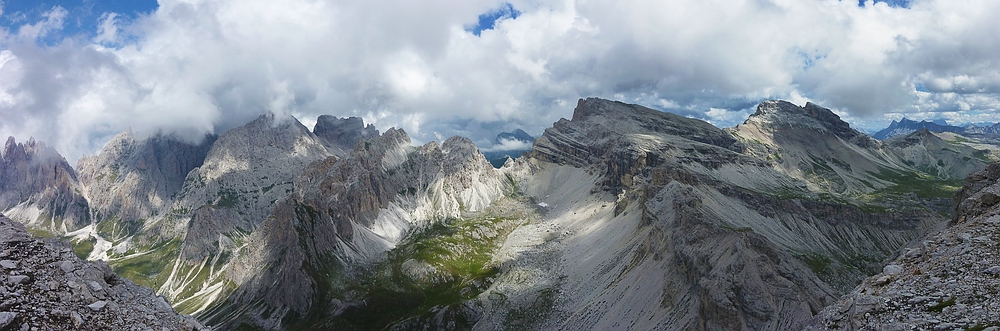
(38,187)
(134,179)
(340,134)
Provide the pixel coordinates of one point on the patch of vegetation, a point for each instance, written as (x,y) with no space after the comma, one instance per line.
(982,155)
(149,267)
(114,228)
(820,170)
(819,264)
(941,305)
(46,222)
(842,272)
(959,140)
(526,318)
(113,177)
(40,233)
(923,185)
(842,164)
(266,189)
(228,198)
(82,248)
(458,249)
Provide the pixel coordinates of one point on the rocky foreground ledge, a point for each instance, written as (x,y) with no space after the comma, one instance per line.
(948,281)
(45,286)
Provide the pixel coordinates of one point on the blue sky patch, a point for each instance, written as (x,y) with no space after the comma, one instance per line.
(891,3)
(488,20)
(82,17)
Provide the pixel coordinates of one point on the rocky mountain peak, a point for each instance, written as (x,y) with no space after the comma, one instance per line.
(780,112)
(779,115)
(906,126)
(342,133)
(34,172)
(598,127)
(263,138)
(135,178)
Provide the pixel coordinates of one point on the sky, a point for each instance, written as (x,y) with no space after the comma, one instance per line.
(75,73)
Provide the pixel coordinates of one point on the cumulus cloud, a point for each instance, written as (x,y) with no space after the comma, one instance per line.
(198,66)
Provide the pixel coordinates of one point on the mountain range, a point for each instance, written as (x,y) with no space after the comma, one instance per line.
(622,217)
(906,126)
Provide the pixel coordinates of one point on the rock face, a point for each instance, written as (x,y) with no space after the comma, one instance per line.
(344,215)
(948,281)
(246,173)
(38,186)
(340,134)
(46,287)
(134,179)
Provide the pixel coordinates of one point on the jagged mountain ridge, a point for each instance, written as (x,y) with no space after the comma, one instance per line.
(135,179)
(340,134)
(40,188)
(814,145)
(183,208)
(645,179)
(906,126)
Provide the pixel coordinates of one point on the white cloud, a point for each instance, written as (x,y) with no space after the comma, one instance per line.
(107,30)
(508,145)
(52,21)
(198,66)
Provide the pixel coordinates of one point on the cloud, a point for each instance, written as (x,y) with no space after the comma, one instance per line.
(198,66)
(509,145)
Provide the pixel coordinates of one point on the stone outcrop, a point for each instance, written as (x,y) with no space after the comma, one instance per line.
(39,187)
(45,286)
(947,281)
(340,134)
